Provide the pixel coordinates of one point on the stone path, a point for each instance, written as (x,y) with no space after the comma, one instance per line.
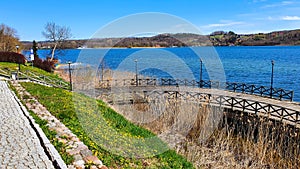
(74,147)
(19,144)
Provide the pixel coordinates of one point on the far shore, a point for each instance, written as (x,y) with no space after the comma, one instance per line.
(170,47)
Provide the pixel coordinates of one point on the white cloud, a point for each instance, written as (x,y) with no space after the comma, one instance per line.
(282,18)
(257,1)
(220,25)
(270,18)
(280,4)
(290,18)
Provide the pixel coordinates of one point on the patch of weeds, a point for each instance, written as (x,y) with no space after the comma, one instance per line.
(61,148)
(51,135)
(32,101)
(26,97)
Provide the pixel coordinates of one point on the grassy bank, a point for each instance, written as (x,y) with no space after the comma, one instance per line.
(51,135)
(13,67)
(60,103)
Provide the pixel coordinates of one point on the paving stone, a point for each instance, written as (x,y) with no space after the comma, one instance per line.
(74,146)
(20,146)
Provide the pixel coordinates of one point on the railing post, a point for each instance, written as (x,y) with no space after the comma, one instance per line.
(243,88)
(220,103)
(281,92)
(252,89)
(256,109)
(244,104)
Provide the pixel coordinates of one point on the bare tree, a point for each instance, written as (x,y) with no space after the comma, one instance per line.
(8,39)
(56,34)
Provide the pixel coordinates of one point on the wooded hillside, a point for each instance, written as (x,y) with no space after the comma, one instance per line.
(218,38)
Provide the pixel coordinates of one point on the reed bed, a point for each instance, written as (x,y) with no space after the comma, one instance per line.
(212,137)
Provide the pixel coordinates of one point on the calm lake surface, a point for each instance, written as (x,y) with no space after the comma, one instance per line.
(241,64)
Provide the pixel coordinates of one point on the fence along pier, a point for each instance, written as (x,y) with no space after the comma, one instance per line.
(252,99)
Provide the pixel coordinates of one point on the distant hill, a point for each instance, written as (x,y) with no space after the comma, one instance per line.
(218,38)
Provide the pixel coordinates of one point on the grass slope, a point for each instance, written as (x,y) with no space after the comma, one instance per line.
(13,67)
(59,102)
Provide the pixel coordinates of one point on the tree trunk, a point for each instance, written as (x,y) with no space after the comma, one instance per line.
(53,51)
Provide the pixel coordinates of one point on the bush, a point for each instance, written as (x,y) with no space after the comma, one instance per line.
(12,57)
(46,65)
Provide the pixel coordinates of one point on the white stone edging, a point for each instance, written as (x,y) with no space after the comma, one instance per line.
(55,157)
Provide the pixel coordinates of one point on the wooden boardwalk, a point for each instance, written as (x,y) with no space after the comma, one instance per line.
(287,112)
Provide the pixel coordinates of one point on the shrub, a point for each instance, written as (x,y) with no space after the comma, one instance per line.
(46,65)
(12,57)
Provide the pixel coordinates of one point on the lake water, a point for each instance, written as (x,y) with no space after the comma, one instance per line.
(241,64)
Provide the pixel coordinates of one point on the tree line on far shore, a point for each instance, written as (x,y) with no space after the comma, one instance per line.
(218,38)
(58,37)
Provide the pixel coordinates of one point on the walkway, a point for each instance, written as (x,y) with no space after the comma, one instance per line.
(19,144)
(284,111)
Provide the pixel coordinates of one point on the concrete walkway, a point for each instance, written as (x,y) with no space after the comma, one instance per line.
(20,146)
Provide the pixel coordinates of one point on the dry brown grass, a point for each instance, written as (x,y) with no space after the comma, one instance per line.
(238,141)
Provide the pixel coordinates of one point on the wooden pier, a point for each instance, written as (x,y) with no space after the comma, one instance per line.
(232,96)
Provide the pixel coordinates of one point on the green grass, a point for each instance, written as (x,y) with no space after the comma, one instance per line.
(13,67)
(61,104)
(51,135)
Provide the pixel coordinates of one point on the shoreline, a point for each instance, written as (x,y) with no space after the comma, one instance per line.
(172,47)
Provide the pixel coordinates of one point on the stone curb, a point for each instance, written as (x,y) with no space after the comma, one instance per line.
(76,148)
(48,147)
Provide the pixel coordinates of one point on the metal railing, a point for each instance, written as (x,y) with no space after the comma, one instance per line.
(35,77)
(39,78)
(275,93)
(278,112)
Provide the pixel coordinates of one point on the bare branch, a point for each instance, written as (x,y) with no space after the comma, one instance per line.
(50,31)
(8,38)
(57,34)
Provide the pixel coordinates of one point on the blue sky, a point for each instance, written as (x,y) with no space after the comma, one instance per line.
(84,18)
